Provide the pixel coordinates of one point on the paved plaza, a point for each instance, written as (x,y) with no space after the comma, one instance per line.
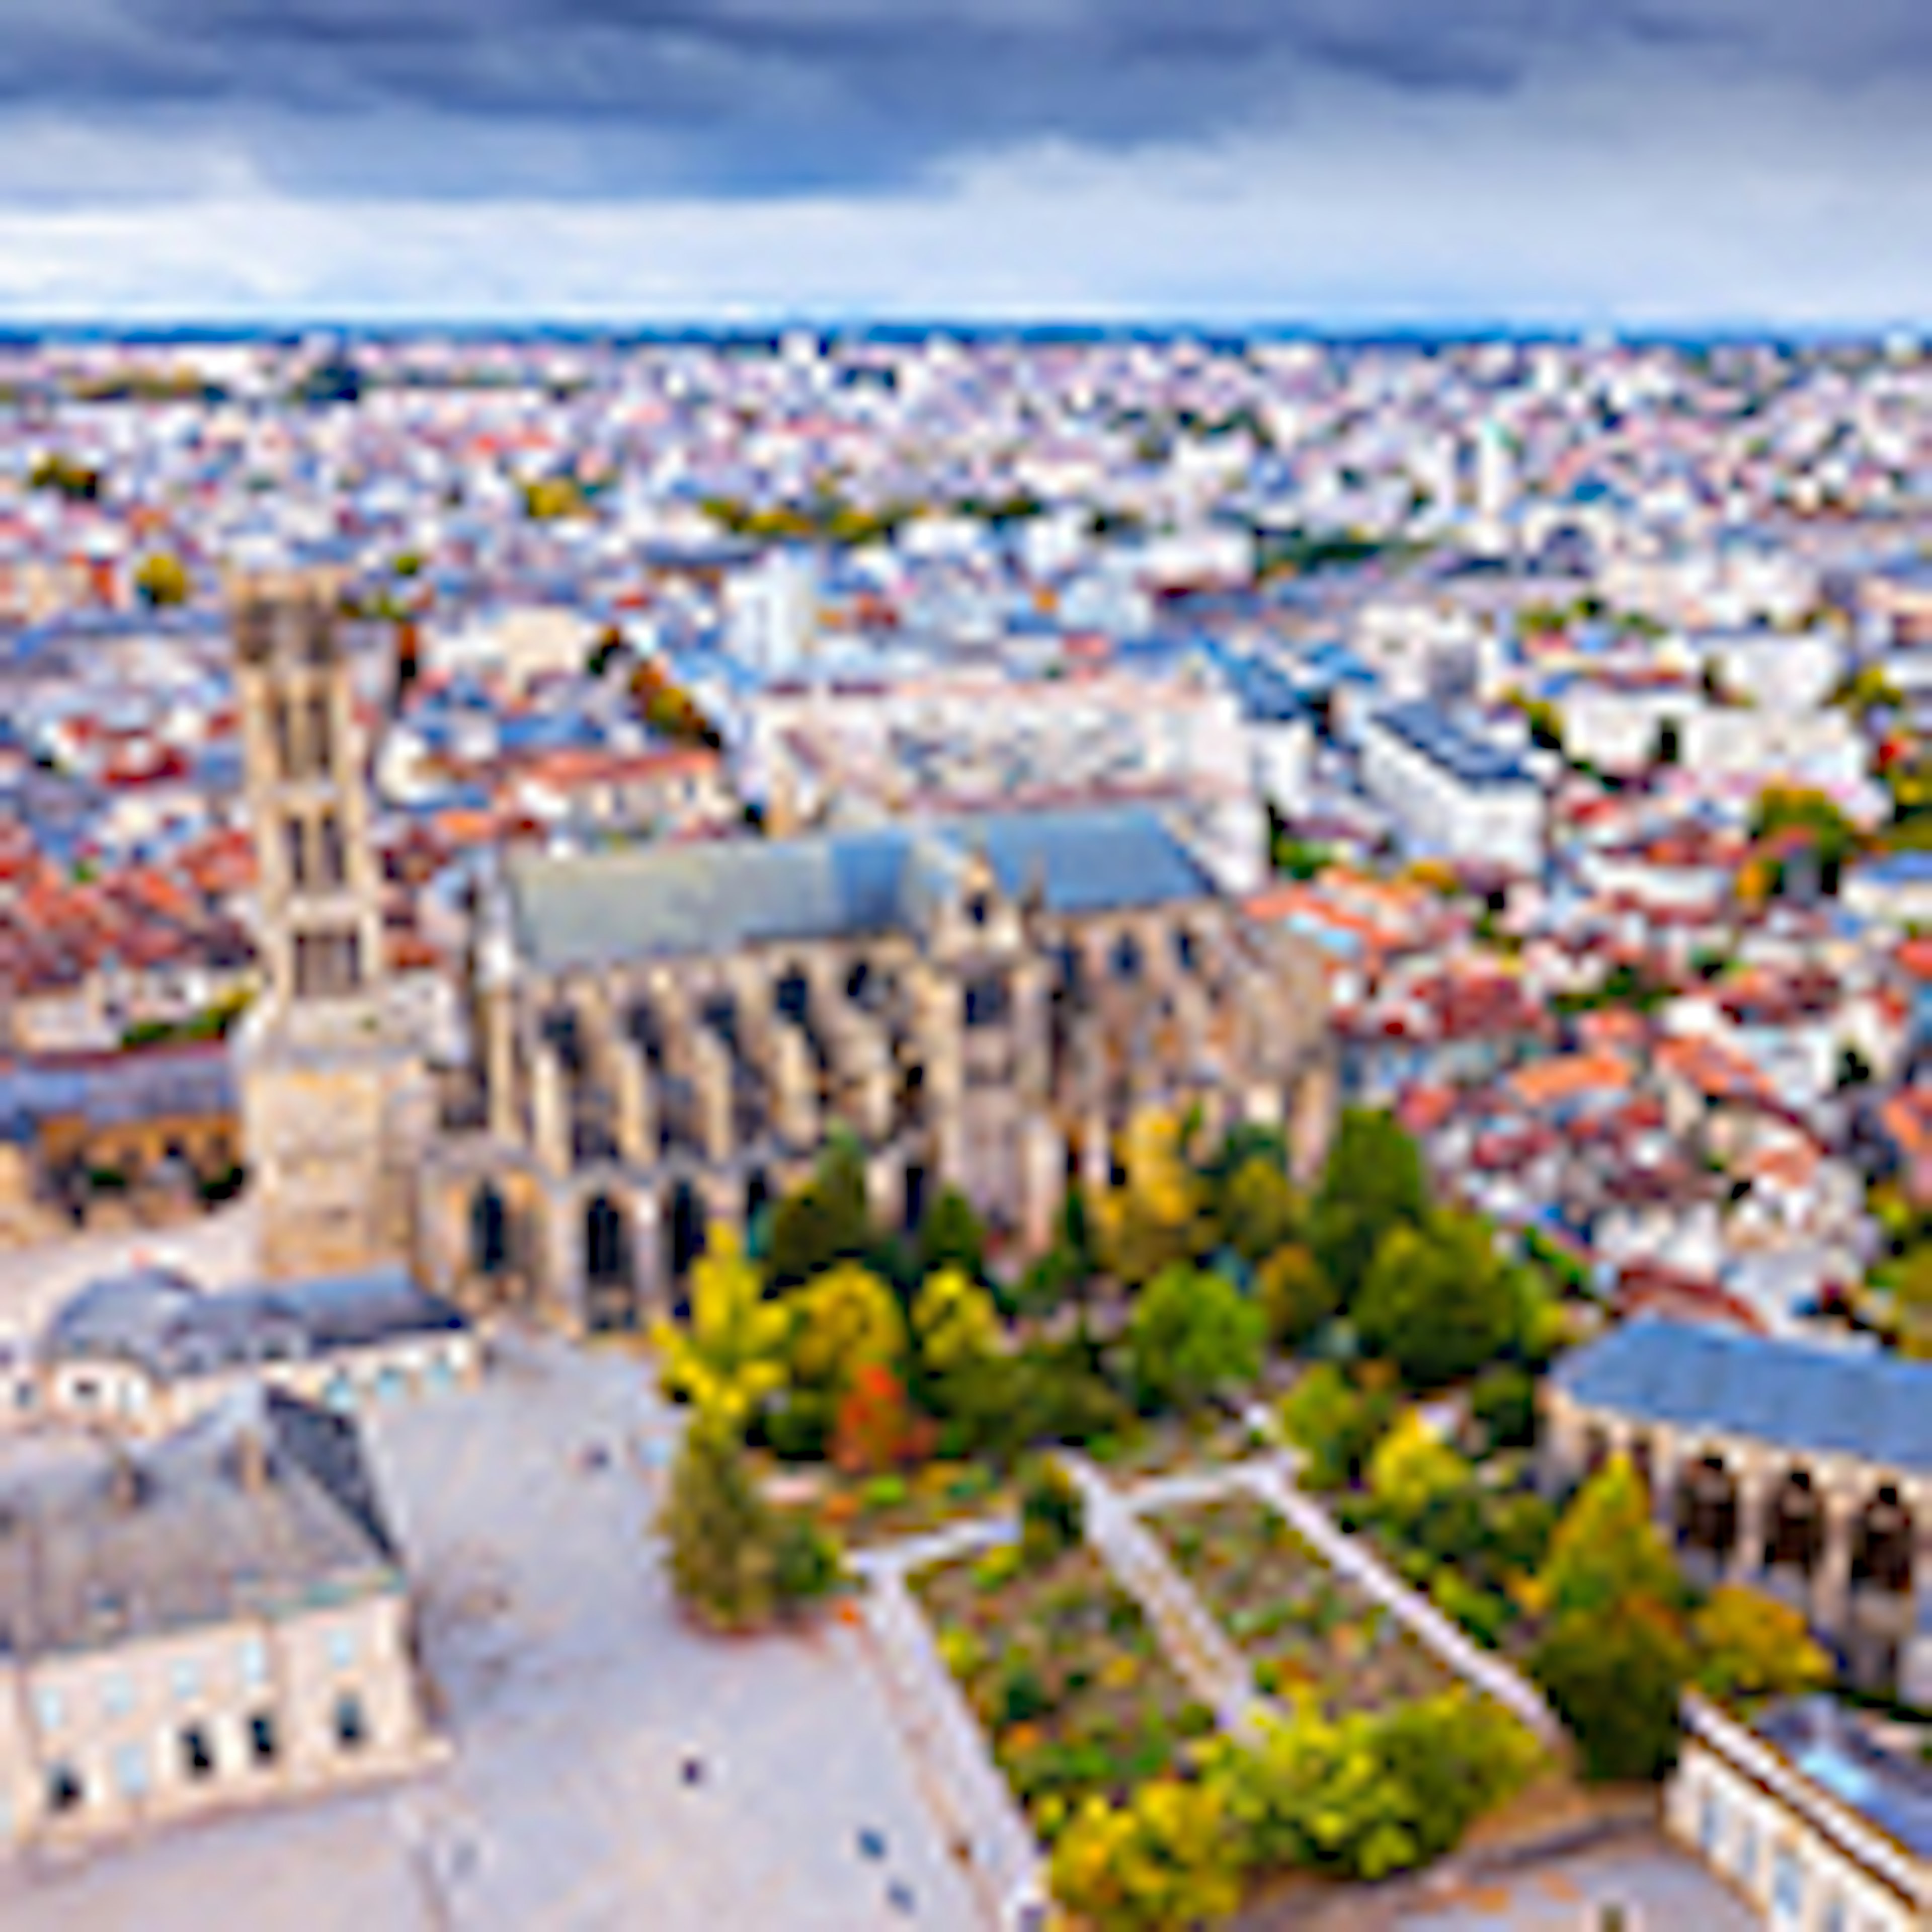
(1660,1889)
(575,1695)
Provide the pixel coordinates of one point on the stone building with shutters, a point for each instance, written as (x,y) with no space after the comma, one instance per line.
(219,1618)
(1806,1472)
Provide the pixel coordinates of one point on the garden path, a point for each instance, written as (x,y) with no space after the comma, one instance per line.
(1196,1645)
(963,1787)
(1272,1478)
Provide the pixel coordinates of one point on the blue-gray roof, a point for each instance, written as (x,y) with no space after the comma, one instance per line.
(1473,761)
(1788,1394)
(1830,1747)
(163,1322)
(670,901)
(1897,869)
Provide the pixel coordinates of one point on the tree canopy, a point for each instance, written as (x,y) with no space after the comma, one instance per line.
(1436,1301)
(1192,1332)
(730,1358)
(1373,1183)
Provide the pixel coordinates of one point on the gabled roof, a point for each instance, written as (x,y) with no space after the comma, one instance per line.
(1791,1395)
(673,901)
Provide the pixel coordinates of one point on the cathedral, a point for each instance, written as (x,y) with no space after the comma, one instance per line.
(662,1037)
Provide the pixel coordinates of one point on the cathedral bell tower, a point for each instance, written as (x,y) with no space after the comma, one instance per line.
(335,1095)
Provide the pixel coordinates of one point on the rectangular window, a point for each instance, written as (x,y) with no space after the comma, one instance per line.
(1787,1886)
(65,1792)
(251,1659)
(342,1649)
(1710,1821)
(49,1706)
(262,1743)
(331,857)
(187,1678)
(117,1694)
(131,1770)
(321,735)
(328,965)
(281,723)
(351,1728)
(295,843)
(197,1753)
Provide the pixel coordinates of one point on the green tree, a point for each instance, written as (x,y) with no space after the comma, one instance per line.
(1053,1513)
(1502,1402)
(1436,1301)
(1192,1332)
(951,1235)
(162,580)
(1168,1858)
(1369,1794)
(1615,1676)
(729,1359)
(825,1221)
(1295,1294)
(1372,1183)
(1259,1213)
(1335,1422)
(1606,1552)
(735,1562)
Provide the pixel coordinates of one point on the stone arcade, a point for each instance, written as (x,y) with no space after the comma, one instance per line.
(1803,1471)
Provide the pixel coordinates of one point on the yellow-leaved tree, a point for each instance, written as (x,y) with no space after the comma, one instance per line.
(1169,1857)
(1157,1216)
(730,1358)
(843,1320)
(955,1321)
(1412,1467)
(1751,1645)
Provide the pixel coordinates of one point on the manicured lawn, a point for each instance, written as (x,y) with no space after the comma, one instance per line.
(1305,1627)
(1065,1675)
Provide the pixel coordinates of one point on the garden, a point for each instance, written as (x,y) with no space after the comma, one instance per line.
(1065,1675)
(863,1510)
(1306,1629)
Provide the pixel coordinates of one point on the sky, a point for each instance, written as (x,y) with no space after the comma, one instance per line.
(1355,163)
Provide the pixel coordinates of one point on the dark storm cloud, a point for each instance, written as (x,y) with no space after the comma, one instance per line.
(635,96)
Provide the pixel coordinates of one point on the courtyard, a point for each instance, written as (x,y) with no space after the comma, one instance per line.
(575,1697)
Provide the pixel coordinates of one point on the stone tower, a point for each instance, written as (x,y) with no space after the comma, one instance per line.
(335,1095)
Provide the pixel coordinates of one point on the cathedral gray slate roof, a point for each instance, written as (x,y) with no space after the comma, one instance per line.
(1787,1395)
(679,900)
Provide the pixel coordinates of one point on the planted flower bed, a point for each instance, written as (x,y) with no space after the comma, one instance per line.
(861,1511)
(1159,1446)
(1065,1675)
(864,1509)
(1305,1627)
